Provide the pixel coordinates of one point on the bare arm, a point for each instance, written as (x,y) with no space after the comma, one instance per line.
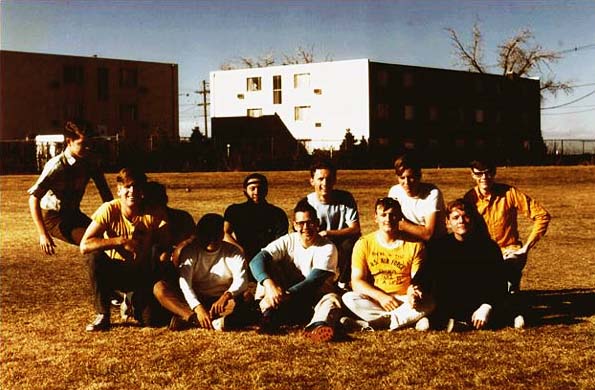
(360,285)
(93,240)
(46,242)
(423,232)
(352,230)
(230,236)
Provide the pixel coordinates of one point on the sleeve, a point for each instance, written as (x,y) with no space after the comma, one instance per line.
(313,281)
(258,266)
(326,258)
(358,256)
(280,248)
(351,215)
(43,183)
(534,211)
(102,214)
(186,275)
(237,266)
(281,227)
(434,203)
(99,179)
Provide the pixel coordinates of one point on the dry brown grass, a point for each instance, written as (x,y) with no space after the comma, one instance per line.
(45,306)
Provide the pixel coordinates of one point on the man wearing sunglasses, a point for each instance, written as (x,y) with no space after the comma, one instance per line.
(499,204)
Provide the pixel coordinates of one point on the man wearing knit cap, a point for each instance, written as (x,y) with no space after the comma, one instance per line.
(255,223)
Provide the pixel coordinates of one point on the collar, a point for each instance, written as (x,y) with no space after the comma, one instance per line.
(70,159)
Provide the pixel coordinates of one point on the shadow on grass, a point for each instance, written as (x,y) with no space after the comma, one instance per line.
(559,307)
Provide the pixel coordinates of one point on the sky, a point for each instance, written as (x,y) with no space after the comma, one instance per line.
(200,36)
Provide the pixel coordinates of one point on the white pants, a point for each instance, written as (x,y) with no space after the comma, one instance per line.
(370,311)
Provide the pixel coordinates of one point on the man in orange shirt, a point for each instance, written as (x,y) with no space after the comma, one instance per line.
(499,205)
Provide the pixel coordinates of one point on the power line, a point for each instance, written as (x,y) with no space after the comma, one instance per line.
(570,102)
(577,48)
(569,112)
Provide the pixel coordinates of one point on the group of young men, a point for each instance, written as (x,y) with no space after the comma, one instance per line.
(428,265)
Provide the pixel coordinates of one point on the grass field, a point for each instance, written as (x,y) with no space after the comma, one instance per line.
(45,305)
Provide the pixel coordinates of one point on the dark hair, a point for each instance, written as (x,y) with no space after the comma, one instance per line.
(460,204)
(478,223)
(131,174)
(322,163)
(209,228)
(155,194)
(304,207)
(483,165)
(387,203)
(256,177)
(407,161)
(72,131)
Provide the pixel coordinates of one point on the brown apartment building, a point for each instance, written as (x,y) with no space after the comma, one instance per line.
(135,100)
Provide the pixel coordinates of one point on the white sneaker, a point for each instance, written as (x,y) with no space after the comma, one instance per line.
(423,325)
(351,324)
(519,322)
(219,324)
(126,308)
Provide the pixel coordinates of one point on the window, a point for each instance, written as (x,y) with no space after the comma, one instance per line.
(382,111)
(73,74)
(254,112)
(253,84)
(301,80)
(128,78)
(433,113)
(301,113)
(240,95)
(102,83)
(407,80)
(409,112)
(277,98)
(479,116)
(128,112)
(317,124)
(318,91)
(382,78)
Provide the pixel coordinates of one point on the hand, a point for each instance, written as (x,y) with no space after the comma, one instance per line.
(480,317)
(273,294)
(414,296)
(47,244)
(130,248)
(323,233)
(520,252)
(219,305)
(204,320)
(388,302)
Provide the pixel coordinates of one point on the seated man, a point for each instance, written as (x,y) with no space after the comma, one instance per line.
(382,269)
(465,270)
(119,244)
(255,223)
(337,214)
(212,279)
(295,275)
(422,203)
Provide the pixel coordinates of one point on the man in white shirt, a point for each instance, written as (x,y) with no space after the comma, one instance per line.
(422,203)
(295,275)
(212,279)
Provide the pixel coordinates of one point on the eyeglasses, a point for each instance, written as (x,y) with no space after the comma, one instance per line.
(487,173)
(307,223)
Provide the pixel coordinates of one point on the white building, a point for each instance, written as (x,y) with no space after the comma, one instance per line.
(317,102)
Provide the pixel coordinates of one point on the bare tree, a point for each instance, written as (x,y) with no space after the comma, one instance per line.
(517,55)
(302,55)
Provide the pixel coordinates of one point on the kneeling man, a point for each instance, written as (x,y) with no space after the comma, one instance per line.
(383,265)
(295,275)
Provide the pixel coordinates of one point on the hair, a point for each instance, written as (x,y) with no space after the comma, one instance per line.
(483,165)
(460,204)
(73,132)
(131,174)
(209,228)
(256,177)
(304,207)
(387,203)
(478,223)
(407,161)
(155,194)
(322,163)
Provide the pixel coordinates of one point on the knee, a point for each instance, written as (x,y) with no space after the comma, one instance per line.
(159,289)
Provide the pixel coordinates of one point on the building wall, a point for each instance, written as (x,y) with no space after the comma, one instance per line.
(40,92)
(332,96)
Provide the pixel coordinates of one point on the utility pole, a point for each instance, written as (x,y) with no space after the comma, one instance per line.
(204,92)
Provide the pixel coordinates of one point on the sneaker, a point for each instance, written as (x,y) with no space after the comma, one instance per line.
(101,323)
(456,326)
(351,324)
(519,322)
(219,324)
(320,333)
(268,323)
(126,308)
(422,325)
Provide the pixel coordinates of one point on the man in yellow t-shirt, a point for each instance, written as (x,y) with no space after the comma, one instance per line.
(383,265)
(119,244)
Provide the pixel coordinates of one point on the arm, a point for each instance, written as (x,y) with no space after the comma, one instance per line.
(93,240)
(185,281)
(45,240)
(353,229)
(313,281)
(102,187)
(535,212)
(272,291)
(360,284)
(230,235)
(422,232)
